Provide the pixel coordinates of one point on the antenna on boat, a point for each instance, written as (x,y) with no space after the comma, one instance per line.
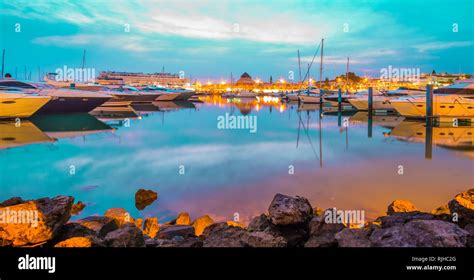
(3,62)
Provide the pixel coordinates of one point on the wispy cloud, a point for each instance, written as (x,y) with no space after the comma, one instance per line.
(442,45)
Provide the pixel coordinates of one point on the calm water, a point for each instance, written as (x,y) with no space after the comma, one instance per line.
(233,171)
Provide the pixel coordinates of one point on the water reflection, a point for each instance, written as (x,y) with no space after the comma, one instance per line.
(229,171)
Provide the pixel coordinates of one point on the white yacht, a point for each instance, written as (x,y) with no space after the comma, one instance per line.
(381,101)
(444,105)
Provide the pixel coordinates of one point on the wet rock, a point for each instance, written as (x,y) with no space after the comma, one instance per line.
(444,209)
(126,236)
(101,225)
(143,198)
(287,210)
(470,240)
(294,235)
(353,238)
(401,205)
(151,227)
(77,208)
(183,219)
(168,232)
(223,235)
(201,223)
(34,221)
(403,218)
(81,242)
(120,215)
(12,201)
(463,206)
(420,233)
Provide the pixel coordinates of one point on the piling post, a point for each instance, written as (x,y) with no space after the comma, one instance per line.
(339,99)
(429,103)
(3,62)
(370,109)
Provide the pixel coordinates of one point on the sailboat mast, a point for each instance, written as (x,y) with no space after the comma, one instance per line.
(321,65)
(299,64)
(84,59)
(347,76)
(3,62)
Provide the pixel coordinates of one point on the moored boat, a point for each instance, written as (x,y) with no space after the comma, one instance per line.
(16,104)
(443,106)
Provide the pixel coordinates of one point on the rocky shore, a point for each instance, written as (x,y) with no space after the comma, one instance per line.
(290,222)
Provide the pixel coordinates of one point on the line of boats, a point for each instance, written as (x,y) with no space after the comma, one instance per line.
(456,100)
(20,99)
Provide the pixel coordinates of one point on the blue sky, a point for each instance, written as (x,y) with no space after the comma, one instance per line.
(210,39)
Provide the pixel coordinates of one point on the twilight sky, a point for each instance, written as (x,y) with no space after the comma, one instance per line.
(210,39)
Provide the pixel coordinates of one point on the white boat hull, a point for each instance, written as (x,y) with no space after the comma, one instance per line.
(443,106)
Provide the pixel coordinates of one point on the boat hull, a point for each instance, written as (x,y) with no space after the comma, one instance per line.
(442,107)
(377,104)
(175,96)
(72,104)
(309,99)
(22,106)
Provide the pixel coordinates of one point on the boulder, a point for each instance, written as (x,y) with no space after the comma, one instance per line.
(235,224)
(264,239)
(12,201)
(444,209)
(126,236)
(71,230)
(403,218)
(77,208)
(294,235)
(120,215)
(139,223)
(183,219)
(400,205)
(81,242)
(34,221)
(223,235)
(151,227)
(143,198)
(190,242)
(201,223)
(101,225)
(170,231)
(322,234)
(287,210)
(470,240)
(420,233)
(353,238)
(463,206)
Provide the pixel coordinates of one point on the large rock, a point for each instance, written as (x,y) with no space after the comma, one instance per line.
(183,219)
(81,242)
(77,208)
(401,205)
(470,241)
(223,235)
(170,231)
(287,210)
(12,201)
(322,234)
(264,239)
(126,236)
(353,238)
(403,218)
(294,235)
(143,198)
(420,233)
(71,230)
(444,209)
(101,225)
(151,227)
(201,223)
(34,221)
(463,206)
(120,215)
